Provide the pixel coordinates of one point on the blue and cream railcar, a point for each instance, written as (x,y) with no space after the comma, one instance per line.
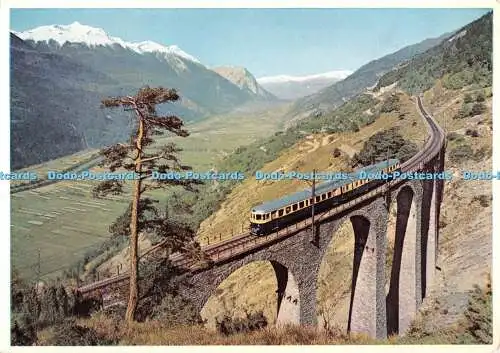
(273,215)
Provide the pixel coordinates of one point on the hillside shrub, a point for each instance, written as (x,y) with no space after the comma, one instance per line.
(478,321)
(463,112)
(453,136)
(459,80)
(392,103)
(482,153)
(461,153)
(484,200)
(68,333)
(36,307)
(468,98)
(472,133)
(383,145)
(336,152)
(478,108)
(176,311)
(480,97)
(252,321)
(22,330)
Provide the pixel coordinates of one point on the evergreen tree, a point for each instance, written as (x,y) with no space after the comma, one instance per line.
(136,157)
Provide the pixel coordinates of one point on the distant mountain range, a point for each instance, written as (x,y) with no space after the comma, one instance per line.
(61,72)
(366,76)
(465,57)
(92,37)
(293,87)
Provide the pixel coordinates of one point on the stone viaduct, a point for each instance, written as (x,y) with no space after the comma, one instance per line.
(296,258)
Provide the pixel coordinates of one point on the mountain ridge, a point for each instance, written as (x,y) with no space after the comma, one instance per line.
(244,79)
(465,56)
(336,74)
(366,76)
(93,36)
(294,87)
(52,96)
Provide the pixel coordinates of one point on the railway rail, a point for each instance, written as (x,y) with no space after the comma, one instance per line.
(245,242)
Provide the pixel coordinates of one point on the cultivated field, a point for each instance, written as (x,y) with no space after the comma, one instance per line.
(63,221)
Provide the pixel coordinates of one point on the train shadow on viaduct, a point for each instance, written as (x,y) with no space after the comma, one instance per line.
(296,261)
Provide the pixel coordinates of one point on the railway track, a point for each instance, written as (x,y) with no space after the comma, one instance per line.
(245,242)
(88,163)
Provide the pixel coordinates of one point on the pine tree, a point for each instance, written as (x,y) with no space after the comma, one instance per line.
(136,157)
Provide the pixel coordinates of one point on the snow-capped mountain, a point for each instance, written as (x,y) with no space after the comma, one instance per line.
(242,78)
(331,75)
(60,73)
(135,64)
(293,87)
(91,36)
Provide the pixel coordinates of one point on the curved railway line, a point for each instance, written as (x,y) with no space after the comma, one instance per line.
(88,163)
(245,242)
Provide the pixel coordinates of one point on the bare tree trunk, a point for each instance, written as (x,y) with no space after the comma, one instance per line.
(134,264)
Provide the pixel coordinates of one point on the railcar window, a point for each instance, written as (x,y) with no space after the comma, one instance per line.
(323,196)
(317,199)
(257,217)
(301,204)
(273,214)
(280,213)
(287,209)
(329,194)
(294,207)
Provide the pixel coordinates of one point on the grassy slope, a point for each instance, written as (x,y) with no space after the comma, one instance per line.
(465,249)
(64,222)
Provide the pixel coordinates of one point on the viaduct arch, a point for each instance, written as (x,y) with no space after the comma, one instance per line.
(296,257)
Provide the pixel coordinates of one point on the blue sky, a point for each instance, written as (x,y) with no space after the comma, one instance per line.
(266,41)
